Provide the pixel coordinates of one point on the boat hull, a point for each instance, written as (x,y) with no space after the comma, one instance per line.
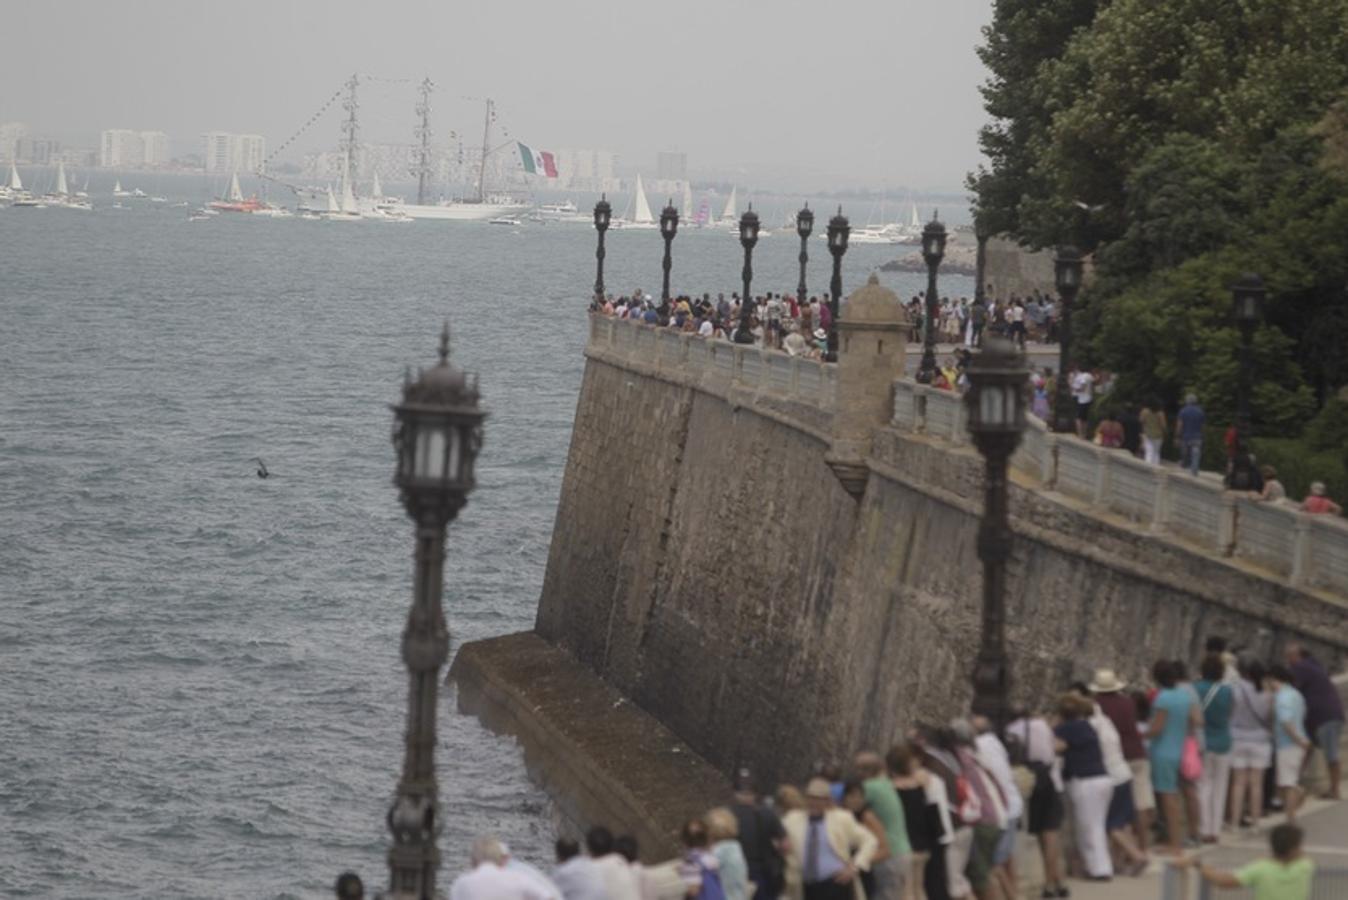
(461,212)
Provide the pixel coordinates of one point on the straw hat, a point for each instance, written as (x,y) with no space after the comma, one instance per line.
(1106,682)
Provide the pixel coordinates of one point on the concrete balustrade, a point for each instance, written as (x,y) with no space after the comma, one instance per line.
(1309,551)
(770,371)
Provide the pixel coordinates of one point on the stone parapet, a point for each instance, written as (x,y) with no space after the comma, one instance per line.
(1306,551)
(720,565)
(1277,540)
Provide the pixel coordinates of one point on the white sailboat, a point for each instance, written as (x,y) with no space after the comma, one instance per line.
(730,216)
(15,183)
(348,210)
(62,197)
(381,208)
(117,189)
(641,210)
(687,212)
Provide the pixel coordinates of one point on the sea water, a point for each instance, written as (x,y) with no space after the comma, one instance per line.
(201,693)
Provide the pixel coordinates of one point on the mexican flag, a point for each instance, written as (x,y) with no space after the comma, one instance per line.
(537,162)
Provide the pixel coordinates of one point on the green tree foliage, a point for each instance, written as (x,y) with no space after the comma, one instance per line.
(1208,139)
(1023,37)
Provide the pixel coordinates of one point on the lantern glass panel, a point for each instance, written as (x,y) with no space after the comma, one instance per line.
(454,456)
(991,407)
(429,459)
(1069,274)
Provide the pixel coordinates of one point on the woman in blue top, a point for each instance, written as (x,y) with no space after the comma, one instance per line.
(1216,700)
(1174,716)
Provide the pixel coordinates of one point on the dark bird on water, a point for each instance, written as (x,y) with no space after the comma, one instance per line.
(261,468)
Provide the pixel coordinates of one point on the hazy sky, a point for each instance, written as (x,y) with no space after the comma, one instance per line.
(826,93)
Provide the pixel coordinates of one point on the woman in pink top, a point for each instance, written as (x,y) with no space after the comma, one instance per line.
(1318,503)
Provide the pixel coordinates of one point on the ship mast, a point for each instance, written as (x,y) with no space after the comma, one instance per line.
(349,127)
(423,131)
(486,141)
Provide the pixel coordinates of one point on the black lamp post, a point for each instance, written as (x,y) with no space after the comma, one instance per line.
(1067,270)
(603,212)
(933,251)
(748,237)
(838,233)
(980,259)
(437,434)
(669,226)
(804,225)
(1247,296)
(996,407)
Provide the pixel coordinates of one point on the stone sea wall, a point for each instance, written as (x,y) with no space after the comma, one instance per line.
(709,565)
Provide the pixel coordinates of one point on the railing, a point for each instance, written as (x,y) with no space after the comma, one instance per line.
(770,371)
(1308,550)
(1328,883)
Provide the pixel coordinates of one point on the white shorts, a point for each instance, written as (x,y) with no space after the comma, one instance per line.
(1251,756)
(1143,795)
(1289,765)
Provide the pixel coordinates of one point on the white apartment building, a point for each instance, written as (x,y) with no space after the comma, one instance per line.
(124,148)
(10,135)
(224,151)
(154,148)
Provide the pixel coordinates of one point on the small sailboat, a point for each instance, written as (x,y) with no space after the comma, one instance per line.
(687,211)
(117,190)
(641,215)
(348,210)
(729,216)
(235,201)
(62,197)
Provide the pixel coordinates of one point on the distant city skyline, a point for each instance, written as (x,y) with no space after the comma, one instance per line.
(861,92)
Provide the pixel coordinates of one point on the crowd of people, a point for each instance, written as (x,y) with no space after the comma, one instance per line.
(800,327)
(1134,772)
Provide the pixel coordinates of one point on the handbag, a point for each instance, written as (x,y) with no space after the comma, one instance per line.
(1191,761)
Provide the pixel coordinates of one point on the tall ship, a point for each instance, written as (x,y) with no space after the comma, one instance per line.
(481,206)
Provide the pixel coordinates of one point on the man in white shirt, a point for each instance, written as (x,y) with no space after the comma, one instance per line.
(1083,389)
(620,881)
(995,760)
(576,874)
(489,879)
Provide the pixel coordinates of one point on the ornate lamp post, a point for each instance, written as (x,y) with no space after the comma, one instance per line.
(437,434)
(1067,270)
(838,233)
(996,406)
(748,237)
(603,212)
(804,225)
(980,259)
(1247,296)
(933,251)
(669,226)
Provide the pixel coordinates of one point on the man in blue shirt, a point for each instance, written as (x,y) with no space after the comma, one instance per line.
(1289,736)
(1191,419)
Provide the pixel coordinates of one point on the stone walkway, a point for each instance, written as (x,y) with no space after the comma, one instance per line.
(1325,823)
